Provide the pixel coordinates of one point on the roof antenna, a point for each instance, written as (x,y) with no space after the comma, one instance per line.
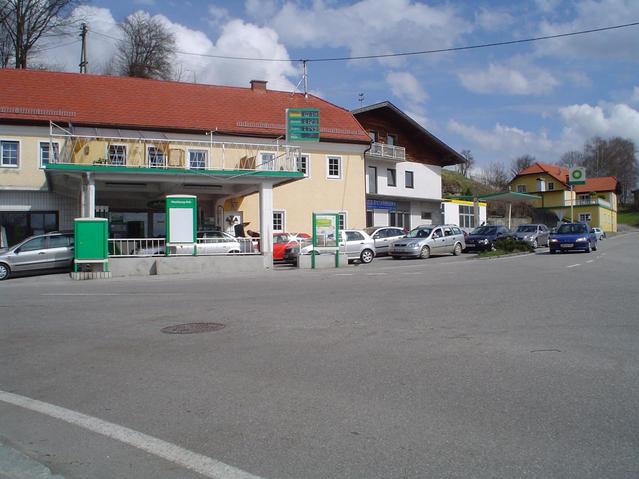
(303,79)
(360,99)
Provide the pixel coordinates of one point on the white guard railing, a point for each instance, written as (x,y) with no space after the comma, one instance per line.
(592,201)
(389,152)
(135,247)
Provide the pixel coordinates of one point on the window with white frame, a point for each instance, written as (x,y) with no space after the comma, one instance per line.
(117,155)
(585,217)
(302,164)
(45,152)
(279,220)
(156,157)
(521,188)
(197,159)
(334,167)
(341,220)
(9,153)
(466,216)
(267,161)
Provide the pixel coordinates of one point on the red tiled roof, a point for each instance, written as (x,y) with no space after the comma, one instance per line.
(601,183)
(558,172)
(162,105)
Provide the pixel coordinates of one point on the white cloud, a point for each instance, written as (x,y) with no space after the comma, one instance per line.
(100,48)
(492,20)
(617,44)
(237,38)
(547,5)
(260,9)
(513,80)
(585,121)
(405,86)
(218,15)
(505,140)
(369,26)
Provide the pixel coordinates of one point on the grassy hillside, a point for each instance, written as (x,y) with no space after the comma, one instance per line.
(628,217)
(454,183)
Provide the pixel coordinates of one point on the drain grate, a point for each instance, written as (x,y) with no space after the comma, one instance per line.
(192,328)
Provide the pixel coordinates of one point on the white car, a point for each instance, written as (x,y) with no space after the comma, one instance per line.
(208,242)
(356,244)
(599,233)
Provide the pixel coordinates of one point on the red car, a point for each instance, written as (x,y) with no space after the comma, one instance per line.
(282,240)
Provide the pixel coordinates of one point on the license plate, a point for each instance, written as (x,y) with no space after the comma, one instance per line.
(567,245)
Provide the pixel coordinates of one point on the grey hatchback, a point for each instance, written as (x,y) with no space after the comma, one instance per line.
(423,241)
(38,253)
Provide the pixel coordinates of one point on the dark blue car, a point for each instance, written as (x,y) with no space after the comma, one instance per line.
(482,238)
(573,237)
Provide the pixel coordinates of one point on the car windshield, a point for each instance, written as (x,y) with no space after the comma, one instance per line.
(280,238)
(572,229)
(526,229)
(419,233)
(370,231)
(484,230)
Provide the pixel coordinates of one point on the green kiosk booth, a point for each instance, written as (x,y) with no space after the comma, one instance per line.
(91,242)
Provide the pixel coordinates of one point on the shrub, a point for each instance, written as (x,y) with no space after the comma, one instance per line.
(511,245)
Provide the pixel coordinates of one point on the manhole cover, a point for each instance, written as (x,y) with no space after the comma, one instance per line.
(192,328)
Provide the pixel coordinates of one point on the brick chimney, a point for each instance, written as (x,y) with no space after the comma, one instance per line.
(258,85)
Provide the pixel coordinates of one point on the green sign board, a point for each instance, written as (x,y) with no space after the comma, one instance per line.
(302,124)
(181,220)
(577,176)
(326,235)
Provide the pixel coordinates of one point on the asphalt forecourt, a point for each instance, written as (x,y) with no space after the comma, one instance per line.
(518,366)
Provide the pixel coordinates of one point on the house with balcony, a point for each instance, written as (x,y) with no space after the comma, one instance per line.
(594,202)
(74,145)
(403,168)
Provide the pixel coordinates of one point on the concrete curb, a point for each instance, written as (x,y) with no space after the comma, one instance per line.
(509,255)
(16,465)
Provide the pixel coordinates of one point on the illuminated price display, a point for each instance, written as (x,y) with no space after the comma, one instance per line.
(302,124)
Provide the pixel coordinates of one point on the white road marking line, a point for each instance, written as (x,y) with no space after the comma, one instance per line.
(590,261)
(155,293)
(415,272)
(190,460)
(343,274)
(376,274)
(573,265)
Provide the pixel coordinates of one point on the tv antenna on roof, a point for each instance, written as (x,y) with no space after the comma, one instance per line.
(303,79)
(360,99)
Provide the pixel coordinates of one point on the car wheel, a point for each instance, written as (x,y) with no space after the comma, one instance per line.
(587,248)
(552,251)
(535,244)
(395,257)
(424,253)
(5,271)
(366,256)
(234,251)
(457,250)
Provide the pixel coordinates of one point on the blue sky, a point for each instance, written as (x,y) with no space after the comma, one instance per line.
(540,98)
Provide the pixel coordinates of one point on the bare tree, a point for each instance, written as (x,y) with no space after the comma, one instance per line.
(6,47)
(495,176)
(520,163)
(147,49)
(469,161)
(25,22)
(571,158)
(613,157)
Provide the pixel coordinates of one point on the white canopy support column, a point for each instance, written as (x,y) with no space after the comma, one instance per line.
(88,195)
(266,223)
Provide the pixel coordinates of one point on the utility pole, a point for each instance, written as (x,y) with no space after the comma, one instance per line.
(83,55)
(305,79)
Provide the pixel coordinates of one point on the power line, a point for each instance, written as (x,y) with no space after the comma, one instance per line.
(403,54)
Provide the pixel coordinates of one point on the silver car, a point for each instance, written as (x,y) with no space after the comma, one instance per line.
(383,236)
(38,253)
(533,234)
(356,244)
(423,241)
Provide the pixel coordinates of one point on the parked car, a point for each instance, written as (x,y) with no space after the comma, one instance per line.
(356,244)
(383,237)
(533,234)
(573,237)
(38,253)
(208,242)
(484,237)
(599,233)
(281,241)
(423,241)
